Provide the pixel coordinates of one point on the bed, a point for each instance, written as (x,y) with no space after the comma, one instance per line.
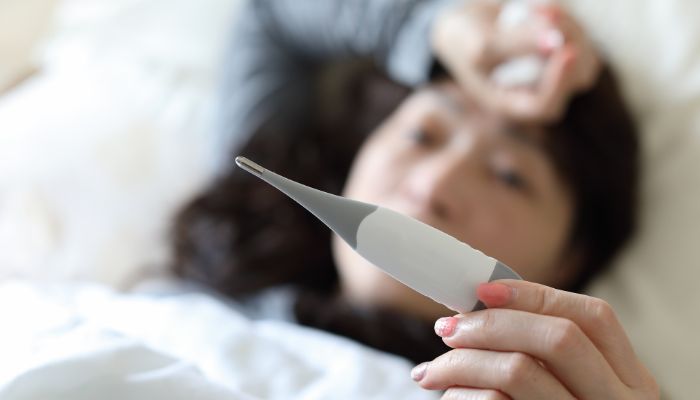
(89,182)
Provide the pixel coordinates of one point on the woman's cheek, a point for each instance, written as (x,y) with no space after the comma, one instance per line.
(376,172)
(497,229)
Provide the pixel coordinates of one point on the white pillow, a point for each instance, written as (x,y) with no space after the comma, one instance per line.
(99,148)
(22,24)
(655,47)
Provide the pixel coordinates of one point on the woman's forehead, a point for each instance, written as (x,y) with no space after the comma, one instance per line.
(450,98)
(527,142)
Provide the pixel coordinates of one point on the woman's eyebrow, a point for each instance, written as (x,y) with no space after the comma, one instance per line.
(517,133)
(447,100)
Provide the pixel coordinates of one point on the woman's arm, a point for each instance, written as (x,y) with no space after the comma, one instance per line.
(279,44)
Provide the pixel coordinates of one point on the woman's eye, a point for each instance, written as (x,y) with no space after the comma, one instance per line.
(512,179)
(420,137)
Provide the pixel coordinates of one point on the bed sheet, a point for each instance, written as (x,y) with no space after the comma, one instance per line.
(85,341)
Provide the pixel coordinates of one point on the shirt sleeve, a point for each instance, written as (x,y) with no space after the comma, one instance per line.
(278,46)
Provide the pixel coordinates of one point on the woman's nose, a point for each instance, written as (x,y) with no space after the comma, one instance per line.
(439,186)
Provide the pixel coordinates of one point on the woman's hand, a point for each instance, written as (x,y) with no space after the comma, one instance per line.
(469,43)
(535,342)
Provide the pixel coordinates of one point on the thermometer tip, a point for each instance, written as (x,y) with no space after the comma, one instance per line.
(249,166)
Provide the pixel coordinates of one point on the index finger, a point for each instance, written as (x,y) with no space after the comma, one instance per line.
(594,316)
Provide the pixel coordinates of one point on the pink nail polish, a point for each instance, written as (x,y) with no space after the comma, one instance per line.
(494,294)
(445,327)
(418,372)
(551,39)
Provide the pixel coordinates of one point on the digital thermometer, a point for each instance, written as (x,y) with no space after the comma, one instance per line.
(424,258)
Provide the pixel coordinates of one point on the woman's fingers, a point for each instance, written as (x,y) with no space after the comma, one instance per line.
(554,339)
(460,393)
(559,343)
(515,374)
(569,63)
(470,44)
(537,36)
(593,316)
(548,101)
(588,64)
(544,102)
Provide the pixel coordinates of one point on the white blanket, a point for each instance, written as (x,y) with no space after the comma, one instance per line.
(78,342)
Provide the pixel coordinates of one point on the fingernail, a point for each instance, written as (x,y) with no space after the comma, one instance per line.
(445,327)
(418,372)
(494,294)
(551,39)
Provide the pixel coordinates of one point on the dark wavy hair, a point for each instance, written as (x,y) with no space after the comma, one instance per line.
(241,236)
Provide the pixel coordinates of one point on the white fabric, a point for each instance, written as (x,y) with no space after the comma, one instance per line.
(655,47)
(22,24)
(111,136)
(81,342)
(523,70)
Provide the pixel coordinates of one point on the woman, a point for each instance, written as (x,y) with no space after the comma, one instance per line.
(545,184)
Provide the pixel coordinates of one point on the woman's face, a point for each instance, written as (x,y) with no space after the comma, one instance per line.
(488,183)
